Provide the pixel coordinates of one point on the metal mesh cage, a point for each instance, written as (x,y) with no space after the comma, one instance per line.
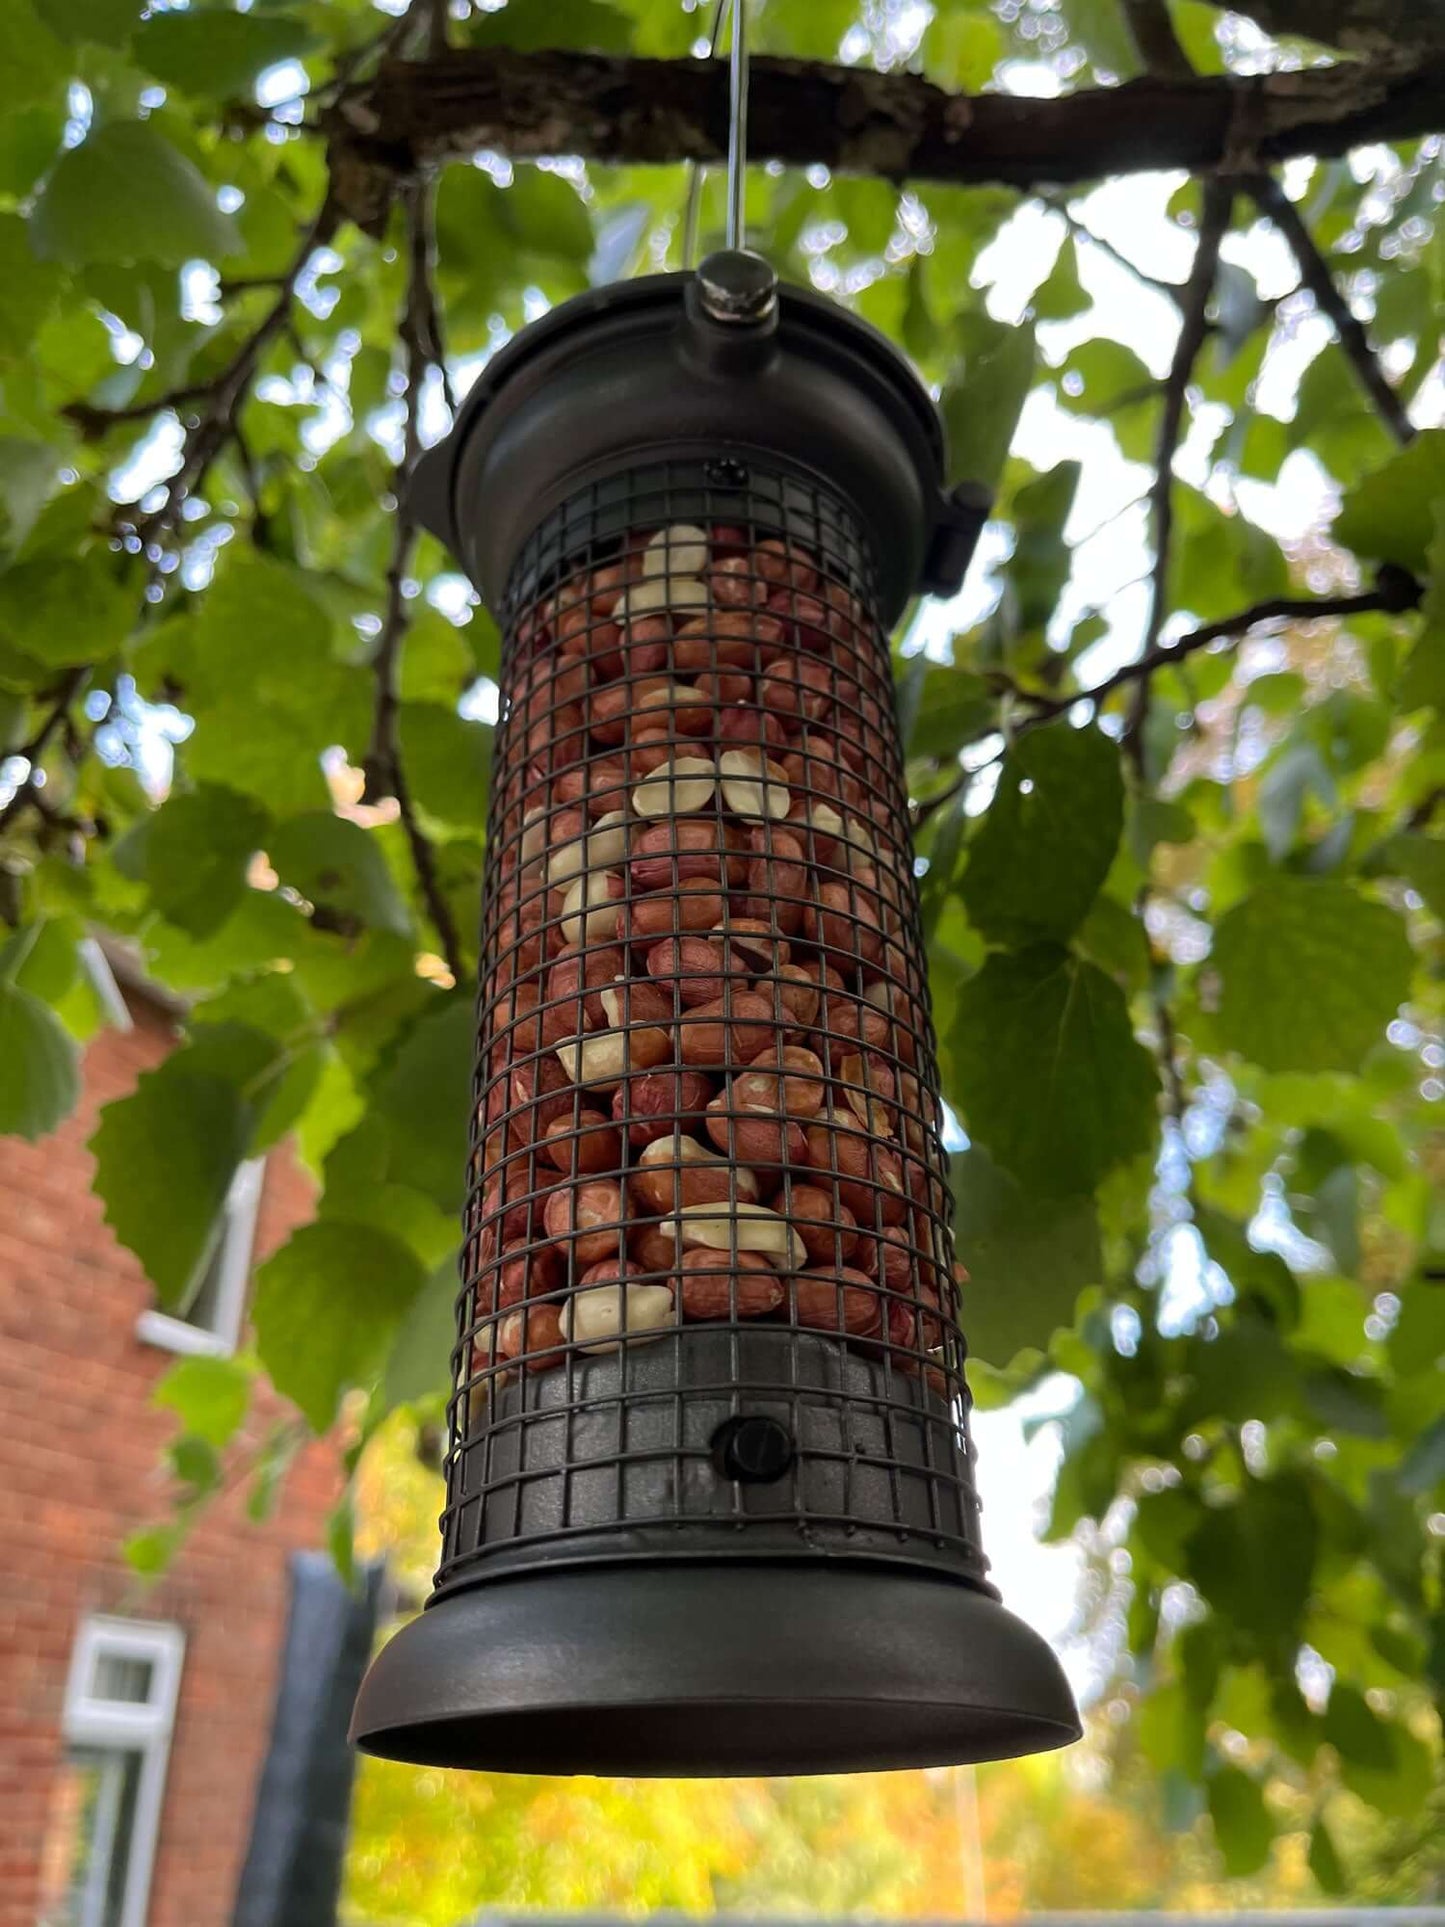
(709,1304)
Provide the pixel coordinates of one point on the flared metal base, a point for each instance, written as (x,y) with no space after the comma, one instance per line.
(709,1669)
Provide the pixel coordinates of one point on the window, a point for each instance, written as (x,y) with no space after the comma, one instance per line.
(120,1707)
(212,1321)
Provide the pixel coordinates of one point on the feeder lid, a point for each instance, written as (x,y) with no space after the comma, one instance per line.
(722,364)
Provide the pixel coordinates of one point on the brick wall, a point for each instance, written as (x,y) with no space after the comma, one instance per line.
(80,1451)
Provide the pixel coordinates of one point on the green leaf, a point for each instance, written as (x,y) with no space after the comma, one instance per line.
(420,1364)
(341,1537)
(335,864)
(195,1465)
(150,1551)
(942,707)
(108,23)
(1107,380)
(984,397)
(1355,1731)
(1389,516)
(1049,1073)
(326,1307)
(1424,1465)
(1324,1861)
(1027,1258)
(28,287)
(196,851)
(262,642)
(1270,1528)
(1062,296)
(211,1396)
(1038,569)
(425,1098)
(960,50)
(39,1074)
(448,762)
(126,194)
(1420,860)
(1242,1826)
(530,25)
(547,215)
(218,54)
(34,66)
(1310,974)
(65,611)
(165,1160)
(1044,847)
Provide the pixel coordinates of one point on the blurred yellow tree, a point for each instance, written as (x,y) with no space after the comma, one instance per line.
(435,1849)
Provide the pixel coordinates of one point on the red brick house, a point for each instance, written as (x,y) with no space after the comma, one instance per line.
(134,1720)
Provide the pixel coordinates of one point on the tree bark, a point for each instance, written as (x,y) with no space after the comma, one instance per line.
(1360,26)
(855,121)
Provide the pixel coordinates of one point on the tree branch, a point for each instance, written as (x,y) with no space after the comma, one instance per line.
(1214,224)
(385,775)
(604,108)
(1396,592)
(1363,26)
(1273,202)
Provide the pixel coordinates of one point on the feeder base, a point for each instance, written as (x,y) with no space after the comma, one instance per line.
(709,1669)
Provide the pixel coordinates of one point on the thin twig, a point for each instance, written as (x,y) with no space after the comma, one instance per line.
(1396,592)
(1272,201)
(385,775)
(1214,224)
(35,748)
(1152,30)
(1166,1039)
(223,396)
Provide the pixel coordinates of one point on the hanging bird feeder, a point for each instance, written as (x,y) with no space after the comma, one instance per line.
(710,1504)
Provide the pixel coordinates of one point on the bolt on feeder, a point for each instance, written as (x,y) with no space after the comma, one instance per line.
(710,1504)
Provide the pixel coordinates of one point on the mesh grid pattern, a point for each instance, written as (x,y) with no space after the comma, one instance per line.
(706,1174)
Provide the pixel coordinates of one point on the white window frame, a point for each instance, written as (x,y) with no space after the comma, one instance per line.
(121,1726)
(238,1239)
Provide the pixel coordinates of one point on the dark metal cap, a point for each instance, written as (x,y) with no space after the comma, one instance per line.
(721,365)
(719,1667)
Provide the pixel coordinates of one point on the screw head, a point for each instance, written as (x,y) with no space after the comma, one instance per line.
(736,285)
(723,472)
(753,1449)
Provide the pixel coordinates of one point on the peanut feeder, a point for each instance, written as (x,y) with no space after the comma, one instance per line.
(710,1504)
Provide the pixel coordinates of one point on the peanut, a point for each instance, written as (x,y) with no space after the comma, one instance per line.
(824,1223)
(698,966)
(838,1300)
(593,1145)
(660,1102)
(729,1030)
(587,1219)
(711,1285)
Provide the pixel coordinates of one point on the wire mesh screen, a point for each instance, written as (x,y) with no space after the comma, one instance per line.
(709,1303)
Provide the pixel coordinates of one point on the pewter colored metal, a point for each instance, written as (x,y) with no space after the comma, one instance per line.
(710,1497)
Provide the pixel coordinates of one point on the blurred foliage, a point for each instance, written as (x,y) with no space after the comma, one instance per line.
(1186,950)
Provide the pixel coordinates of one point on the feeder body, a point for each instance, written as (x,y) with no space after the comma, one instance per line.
(709,1368)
